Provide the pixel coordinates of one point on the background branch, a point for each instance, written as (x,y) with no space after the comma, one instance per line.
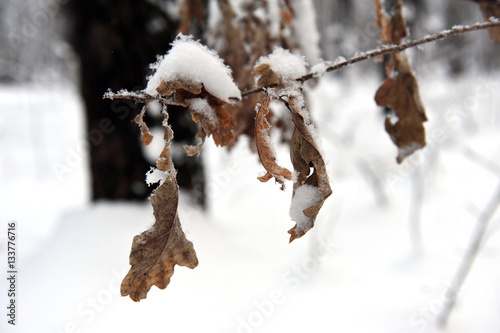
(470,255)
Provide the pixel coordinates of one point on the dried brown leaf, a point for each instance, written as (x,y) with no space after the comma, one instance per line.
(305,154)
(157,250)
(247,37)
(490,9)
(399,30)
(267,76)
(212,116)
(146,137)
(264,149)
(400,91)
(383,22)
(401,94)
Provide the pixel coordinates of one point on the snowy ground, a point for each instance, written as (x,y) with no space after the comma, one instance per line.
(361,269)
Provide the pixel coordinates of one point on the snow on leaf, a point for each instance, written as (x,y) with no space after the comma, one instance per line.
(191,62)
(305,196)
(155,175)
(491,9)
(305,154)
(285,65)
(264,149)
(157,250)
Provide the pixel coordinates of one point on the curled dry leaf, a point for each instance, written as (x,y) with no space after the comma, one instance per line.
(264,149)
(146,137)
(205,108)
(306,155)
(157,250)
(400,92)
(489,9)
(383,22)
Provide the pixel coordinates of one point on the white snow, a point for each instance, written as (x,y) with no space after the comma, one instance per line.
(286,65)
(155,175)
(192,62)
(201,106)
(356,271)
(305,196)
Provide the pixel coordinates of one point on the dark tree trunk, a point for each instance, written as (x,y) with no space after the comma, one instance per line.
(116,40)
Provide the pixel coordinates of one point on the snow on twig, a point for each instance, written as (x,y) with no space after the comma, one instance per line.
(387,49)
(142,96)
(138,97)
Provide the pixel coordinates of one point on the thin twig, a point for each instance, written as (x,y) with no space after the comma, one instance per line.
(469,257)
(139,97)
(392,49)
(142,97)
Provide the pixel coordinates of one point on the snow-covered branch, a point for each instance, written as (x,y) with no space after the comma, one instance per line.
(143,97)
(387,49)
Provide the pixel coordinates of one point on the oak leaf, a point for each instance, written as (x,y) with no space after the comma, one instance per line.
(157,250)
(306,155)
(401,94)
(400,90)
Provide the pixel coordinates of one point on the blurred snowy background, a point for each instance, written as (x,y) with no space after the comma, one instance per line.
(386,245)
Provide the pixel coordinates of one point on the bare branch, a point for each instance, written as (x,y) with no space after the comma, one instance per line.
(387,49)
(469,257)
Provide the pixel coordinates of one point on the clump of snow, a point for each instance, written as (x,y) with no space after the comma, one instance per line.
(192,62)
(155,175)
(286,65)
(201,106)
(304,197)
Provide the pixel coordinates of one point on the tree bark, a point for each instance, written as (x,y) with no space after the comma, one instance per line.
(116,40)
